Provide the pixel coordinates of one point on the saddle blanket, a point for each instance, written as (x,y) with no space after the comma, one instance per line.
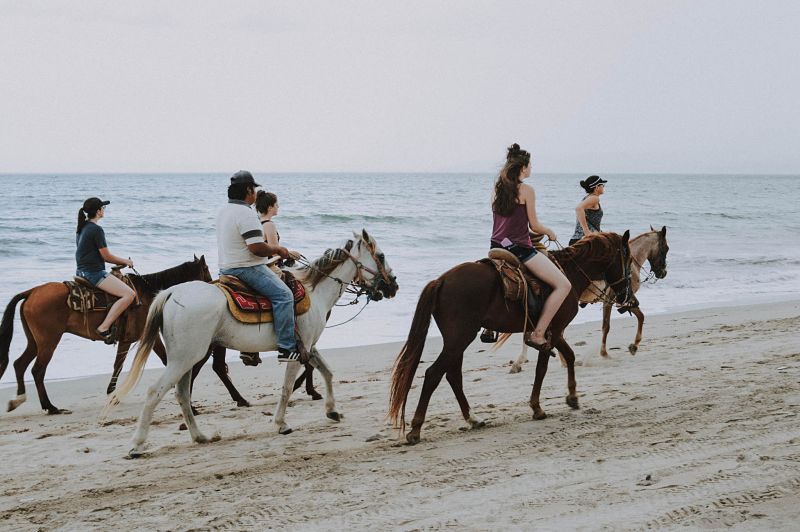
(82,298)
(514,279)
(248,307)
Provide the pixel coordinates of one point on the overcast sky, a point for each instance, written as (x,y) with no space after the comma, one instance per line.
(594,86)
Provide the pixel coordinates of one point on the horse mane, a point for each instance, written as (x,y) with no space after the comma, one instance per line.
(152,283)
(322,267)
(600,247)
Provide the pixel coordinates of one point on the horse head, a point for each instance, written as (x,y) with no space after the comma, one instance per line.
(658,255)
(202,269)
(374,275)
(618,274)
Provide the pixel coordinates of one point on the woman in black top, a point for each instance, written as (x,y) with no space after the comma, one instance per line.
(91,256)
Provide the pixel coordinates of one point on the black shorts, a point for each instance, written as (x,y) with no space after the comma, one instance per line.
(523,253)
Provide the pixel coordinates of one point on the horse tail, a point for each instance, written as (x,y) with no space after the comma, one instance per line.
(405,365)
(152,326)
(7,328)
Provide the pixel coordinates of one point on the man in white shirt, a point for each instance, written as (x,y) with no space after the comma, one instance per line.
(243,253)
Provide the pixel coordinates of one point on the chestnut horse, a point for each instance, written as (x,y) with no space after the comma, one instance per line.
(470,296)
(46,317)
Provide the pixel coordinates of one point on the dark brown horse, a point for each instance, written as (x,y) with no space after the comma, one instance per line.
(46,317)
(470,296)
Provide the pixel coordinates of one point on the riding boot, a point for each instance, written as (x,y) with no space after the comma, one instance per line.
(250,359)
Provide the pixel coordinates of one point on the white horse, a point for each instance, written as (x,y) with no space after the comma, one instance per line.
(192,316)
(648,247)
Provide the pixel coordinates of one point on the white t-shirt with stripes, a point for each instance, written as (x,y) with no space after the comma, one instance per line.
(238,226)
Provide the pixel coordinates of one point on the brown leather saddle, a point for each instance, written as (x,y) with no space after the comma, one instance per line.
(515,277)
(248,306)
(83,296)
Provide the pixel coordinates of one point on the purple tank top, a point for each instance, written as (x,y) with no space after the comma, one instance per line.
(513,228)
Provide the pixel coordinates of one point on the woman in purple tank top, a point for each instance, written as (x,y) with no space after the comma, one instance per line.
(514,215)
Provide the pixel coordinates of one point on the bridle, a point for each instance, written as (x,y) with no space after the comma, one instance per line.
(603,295)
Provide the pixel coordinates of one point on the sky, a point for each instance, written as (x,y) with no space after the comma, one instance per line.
(414,86)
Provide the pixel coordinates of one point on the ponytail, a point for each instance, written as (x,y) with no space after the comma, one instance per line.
(81,220)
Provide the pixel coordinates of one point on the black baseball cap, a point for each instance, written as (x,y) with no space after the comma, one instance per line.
(94,204)
(594,180)
(243,177)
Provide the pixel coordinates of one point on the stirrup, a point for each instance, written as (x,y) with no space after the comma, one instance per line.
(250,359)
(285,355)
(110,336)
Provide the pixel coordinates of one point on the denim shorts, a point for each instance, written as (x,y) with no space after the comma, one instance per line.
(523,253)
(93,277)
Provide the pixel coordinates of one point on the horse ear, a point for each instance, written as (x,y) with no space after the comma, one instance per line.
(664,231)
(202,259)
(652,228)
(356,235)
(195,257)
(626,236)
(365,235)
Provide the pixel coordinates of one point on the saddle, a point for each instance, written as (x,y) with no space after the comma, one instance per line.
(515,277)
(84,297)
(247,306)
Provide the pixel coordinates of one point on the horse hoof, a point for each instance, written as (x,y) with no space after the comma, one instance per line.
(285,431)
(573,402)
(477,424)
(183,426)
(195,411)
(135,453)
(412,438)
(12,405)
(515,369)
(56,411)
(336,416)
(315,396)
(205,439)
(242,403)
(633,348)
(539,415)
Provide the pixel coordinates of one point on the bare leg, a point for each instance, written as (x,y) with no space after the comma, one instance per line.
(119,361)
(634,347)
(606,328)
(545,270)
(117,288)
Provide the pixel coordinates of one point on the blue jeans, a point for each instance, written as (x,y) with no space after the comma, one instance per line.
(268,284)
(93,277)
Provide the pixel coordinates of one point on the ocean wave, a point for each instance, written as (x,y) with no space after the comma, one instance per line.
(727,216)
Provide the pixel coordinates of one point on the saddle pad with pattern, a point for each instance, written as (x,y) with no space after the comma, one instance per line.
(82,298)
(248,307)
(514,279)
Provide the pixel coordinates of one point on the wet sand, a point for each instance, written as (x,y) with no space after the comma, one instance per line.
(699,429)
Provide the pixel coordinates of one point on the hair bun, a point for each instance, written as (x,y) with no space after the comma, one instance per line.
(583,183)
(514,151)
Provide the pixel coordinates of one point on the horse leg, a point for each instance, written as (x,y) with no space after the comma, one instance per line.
(516,366)
(292,369)
(433,376)
(541,371)
(119,361)
(454,377)
(155,393)
(20,365)
(568,356)
(634,347)
(606,328)
(220,367)
(183,393)
(315,396)
(327,374)
(40,368)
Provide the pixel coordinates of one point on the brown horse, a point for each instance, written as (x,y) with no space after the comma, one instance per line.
(470,296)
(46,317)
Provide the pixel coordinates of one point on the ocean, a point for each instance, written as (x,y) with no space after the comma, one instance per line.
(733,238)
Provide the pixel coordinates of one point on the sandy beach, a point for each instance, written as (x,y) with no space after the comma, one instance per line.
(699,429)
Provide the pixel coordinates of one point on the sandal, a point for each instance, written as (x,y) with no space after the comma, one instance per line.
(109,337)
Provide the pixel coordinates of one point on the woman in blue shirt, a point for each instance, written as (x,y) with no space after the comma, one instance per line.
(91,256)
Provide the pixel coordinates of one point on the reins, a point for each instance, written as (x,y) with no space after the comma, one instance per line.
(602,295)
